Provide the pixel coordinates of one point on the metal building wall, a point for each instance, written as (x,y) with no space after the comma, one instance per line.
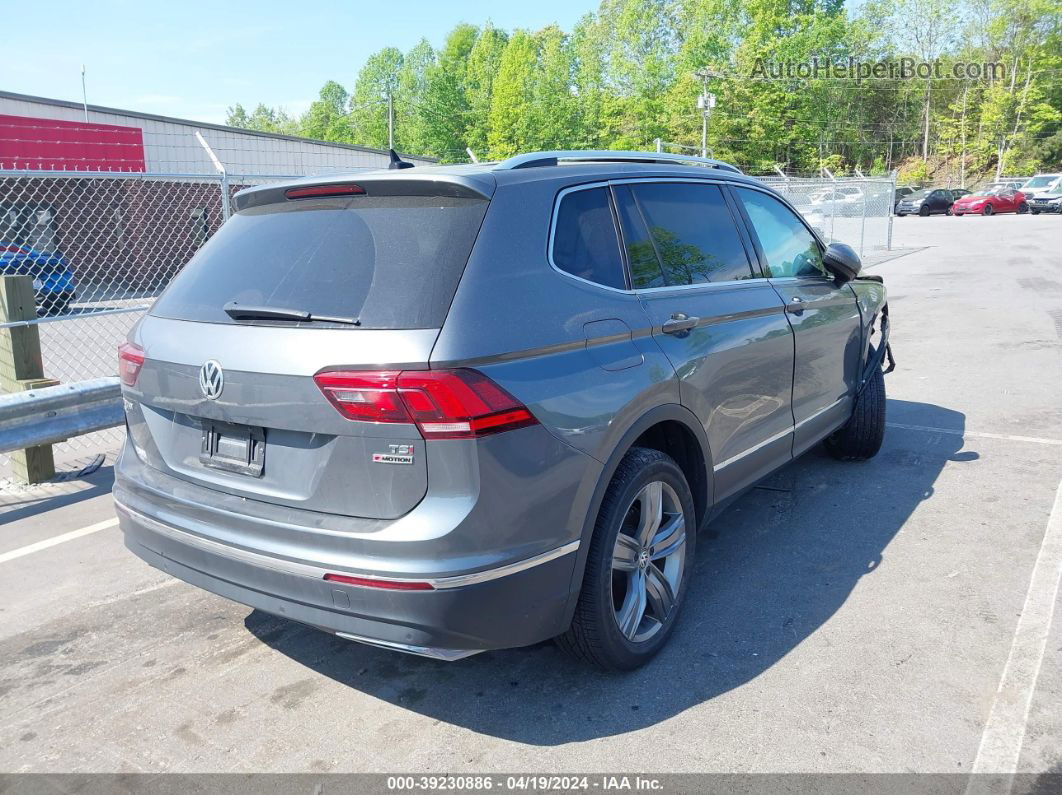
(170,145)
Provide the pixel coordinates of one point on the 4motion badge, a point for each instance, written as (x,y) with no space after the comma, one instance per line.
(399,454)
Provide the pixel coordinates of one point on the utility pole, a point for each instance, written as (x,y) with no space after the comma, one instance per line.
(84,94)
(705,102)
(390,120)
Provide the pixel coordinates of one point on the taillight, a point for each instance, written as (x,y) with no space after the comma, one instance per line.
(445,404)
(318,191)
(130,360)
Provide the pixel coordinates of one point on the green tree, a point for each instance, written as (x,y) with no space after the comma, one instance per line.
(412,126)
(444,105)
(328,118)
(484,61)
(262,119)
(377,80)
(509,120)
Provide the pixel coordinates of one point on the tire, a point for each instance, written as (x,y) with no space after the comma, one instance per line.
(608,594)
(1034,212)
(924,211)
(860,438)
(1023,208)
(988,210)
(948,212)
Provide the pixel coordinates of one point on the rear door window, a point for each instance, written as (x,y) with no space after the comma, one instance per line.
(585,243)
(389,261)
(679,233)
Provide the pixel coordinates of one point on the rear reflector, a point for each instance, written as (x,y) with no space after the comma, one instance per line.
(389,585)
(324,190)
(130,360)
(444,404)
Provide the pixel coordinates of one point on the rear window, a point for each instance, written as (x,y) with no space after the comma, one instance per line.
(390,261)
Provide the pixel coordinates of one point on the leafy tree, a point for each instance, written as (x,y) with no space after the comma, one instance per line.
(484,61)
(444,103)
(262,119)
(627,74)
(377,80)
(328,118)
(509,128)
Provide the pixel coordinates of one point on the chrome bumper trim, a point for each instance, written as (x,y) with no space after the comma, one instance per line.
(318,573)
(448,655)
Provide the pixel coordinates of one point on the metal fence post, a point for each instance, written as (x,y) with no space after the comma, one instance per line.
(226,208)
(891,212)
(863,219)
(21,368)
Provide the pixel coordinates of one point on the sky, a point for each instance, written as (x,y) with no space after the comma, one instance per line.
(193,59)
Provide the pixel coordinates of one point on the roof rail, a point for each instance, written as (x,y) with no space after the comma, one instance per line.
(539,159)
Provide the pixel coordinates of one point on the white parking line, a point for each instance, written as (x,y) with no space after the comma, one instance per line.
(1004,731)
(60,539)
(975,434)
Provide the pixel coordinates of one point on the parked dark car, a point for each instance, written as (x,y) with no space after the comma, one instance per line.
(989,202)
(902,192)
(926,202)
(448,409)
(53,278)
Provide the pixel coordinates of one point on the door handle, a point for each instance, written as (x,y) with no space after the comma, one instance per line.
(679,323)
(795,306)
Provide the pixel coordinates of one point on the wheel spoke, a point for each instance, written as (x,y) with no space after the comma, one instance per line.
(659,595)
(630,615)
(669,538)
(625,553)
(652,500)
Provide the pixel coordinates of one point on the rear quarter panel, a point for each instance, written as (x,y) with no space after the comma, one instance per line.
(579,356)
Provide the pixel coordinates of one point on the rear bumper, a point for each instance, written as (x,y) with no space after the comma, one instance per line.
(515,605)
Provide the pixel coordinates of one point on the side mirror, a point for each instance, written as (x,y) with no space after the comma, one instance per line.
(842,261)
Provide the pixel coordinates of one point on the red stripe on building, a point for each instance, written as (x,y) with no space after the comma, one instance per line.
(51,144)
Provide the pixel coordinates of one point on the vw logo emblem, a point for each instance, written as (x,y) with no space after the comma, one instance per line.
(211,379)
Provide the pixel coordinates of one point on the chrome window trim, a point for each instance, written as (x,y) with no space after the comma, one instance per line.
(318,573)
(553,232)
(706,180)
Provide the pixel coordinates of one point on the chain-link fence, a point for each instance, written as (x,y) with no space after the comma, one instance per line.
(100,247)
(856,210)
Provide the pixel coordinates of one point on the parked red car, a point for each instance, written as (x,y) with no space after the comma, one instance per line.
(990,201)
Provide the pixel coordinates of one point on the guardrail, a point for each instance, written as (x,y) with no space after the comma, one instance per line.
(55,413)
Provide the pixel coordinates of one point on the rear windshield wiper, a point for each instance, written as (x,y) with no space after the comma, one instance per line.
(239,312)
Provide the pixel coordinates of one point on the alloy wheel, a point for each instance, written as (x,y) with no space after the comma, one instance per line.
(648,561)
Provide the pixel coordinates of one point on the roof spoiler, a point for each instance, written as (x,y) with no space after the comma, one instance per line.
(378,183)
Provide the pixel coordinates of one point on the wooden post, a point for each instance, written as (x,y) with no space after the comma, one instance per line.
(21,368)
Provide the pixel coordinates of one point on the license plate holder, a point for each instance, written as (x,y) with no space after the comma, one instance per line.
(233,448)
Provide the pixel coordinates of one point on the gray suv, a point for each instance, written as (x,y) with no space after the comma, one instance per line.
(450,409)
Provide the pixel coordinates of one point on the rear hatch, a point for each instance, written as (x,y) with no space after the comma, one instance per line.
(294,284)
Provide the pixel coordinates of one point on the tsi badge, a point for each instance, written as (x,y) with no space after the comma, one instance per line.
(399,454)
